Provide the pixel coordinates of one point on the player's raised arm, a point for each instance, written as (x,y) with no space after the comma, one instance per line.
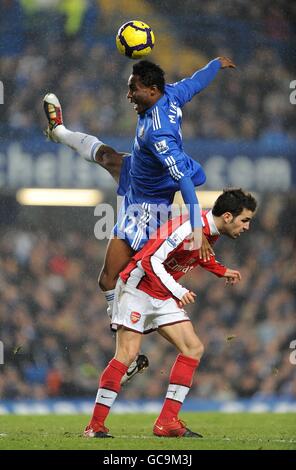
(188,87)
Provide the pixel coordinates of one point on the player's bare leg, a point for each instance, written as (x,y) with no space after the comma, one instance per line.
(127,350)
(88,146)
(117,256)
(184,338)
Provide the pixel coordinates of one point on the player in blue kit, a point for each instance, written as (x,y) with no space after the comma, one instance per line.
(158,164)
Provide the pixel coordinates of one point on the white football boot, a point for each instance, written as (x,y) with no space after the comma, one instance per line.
(53,111)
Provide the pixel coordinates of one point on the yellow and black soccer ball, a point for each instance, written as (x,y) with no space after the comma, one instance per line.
(135,39)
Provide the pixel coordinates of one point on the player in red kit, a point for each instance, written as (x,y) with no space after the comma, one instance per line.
(149,297)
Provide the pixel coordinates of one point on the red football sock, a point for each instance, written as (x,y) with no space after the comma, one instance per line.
(180,383)
(109,387)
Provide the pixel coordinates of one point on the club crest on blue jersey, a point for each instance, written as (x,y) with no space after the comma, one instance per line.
(161,146)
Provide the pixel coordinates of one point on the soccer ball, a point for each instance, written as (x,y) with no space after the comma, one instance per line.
(135,39)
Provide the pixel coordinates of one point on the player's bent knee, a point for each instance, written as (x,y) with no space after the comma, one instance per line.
(127,355)
(200,350)
(195,350)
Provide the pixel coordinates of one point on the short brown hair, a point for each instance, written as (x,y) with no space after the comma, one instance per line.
(234,200)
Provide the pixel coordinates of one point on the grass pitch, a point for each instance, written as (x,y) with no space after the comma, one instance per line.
(134,432)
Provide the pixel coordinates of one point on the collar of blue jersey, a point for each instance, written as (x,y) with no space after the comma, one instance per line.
(213,228)
(149,110)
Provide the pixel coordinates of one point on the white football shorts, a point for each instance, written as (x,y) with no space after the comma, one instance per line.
(140,312)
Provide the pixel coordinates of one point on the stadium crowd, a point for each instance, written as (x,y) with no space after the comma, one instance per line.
(75,56)
(56,332)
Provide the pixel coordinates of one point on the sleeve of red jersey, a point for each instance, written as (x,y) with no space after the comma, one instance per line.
(213,266)
(152,261)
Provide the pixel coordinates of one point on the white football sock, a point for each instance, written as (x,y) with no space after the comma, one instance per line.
(109,295)
(86,145)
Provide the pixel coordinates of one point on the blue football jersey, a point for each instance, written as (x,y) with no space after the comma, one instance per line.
(158,166)
(198,176)
(158,160)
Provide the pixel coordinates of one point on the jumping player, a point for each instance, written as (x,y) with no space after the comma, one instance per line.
(158,166)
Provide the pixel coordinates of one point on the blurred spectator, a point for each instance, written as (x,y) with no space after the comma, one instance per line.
(12,26)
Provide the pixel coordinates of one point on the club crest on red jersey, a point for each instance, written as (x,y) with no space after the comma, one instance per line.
(135,317)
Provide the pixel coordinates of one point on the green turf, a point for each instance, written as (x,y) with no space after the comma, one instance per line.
(133,431)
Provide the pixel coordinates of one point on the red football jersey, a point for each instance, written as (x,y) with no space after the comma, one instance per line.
(157,267)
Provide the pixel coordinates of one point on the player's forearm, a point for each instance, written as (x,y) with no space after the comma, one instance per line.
(214,267)
(203,77)
(190,199)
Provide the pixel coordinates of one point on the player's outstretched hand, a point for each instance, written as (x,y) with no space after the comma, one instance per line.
(226,62)
(206,250)
(232,277)
(188,298)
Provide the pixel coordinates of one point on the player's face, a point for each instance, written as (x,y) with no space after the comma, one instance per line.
(140,95)
(234,226)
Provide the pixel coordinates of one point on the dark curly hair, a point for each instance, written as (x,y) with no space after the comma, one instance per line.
(150,74)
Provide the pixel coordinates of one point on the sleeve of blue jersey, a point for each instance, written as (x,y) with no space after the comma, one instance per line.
(188,87)
(190,199)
